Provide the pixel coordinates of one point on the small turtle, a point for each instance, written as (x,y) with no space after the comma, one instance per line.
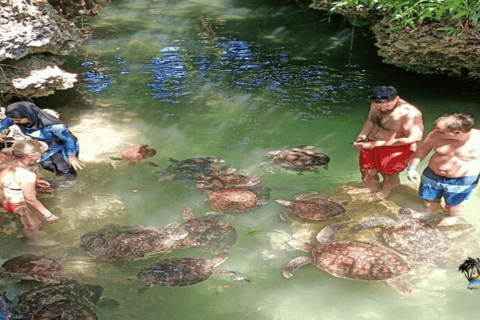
(133,242)
(233,200)
(73,296)
(193,169)
(408,235)
(298,159)
(31,267)
(311,209)
(210,234)
(351,260)
(184,271)
(233,181)
(137,153)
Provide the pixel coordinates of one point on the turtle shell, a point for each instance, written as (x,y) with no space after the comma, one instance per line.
(64,310)
(358,261)
(40,268)
(232,200)
(131,242)
(138,152)
(413,237)
(316,208)
(229,180)
(299,159)
(177,272)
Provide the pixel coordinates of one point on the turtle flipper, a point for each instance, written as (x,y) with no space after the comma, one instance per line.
(402,286)
(295,264)
(150,163)
(302,195)
(143,289)
(373,223)
(115,158)
(328,233)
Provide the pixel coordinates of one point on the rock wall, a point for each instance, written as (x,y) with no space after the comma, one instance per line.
(34,40)
(425,49)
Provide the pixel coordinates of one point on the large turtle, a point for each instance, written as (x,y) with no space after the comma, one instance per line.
(233,181)
(408,235)
(298,159)
(210,234)
(31,267)
(136,153)
(233,200)
(184,271)
(74,297)
(351,260)
(311,209)
(193,169)
(132,242)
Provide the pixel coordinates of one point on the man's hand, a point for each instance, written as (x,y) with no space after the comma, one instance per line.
(413,175)
(75,163)
(364,145)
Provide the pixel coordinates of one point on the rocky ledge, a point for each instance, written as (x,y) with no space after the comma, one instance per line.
(425,49)
(35,38)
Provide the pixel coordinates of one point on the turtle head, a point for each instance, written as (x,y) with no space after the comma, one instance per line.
(405,212)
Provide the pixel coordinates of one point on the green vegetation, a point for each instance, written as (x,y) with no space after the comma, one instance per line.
(412,12)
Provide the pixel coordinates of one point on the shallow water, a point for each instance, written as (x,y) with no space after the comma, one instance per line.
(234,80)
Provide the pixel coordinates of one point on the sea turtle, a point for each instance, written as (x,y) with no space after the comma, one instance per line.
(210,234)
(298,159)
(132,242)
(193,169)
(73,296)
(311,209)
(31,267)
(136,153)
(351,260)
(64,309)
(184,271)
(413,237)
(233,200)
(233,181)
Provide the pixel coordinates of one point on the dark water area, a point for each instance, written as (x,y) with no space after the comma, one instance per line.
(235,80)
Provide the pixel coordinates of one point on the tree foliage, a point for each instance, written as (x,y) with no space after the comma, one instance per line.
(411,12)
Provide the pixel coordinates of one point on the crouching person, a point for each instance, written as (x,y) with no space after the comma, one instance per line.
(17,189)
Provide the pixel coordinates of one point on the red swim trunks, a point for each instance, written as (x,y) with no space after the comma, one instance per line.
(387,160)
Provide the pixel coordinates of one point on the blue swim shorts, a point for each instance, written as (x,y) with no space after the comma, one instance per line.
(454,190)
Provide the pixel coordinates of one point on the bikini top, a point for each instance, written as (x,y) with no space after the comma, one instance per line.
(12,192)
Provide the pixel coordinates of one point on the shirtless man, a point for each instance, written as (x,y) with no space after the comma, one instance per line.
(387,140)
(454,167)
(17,189)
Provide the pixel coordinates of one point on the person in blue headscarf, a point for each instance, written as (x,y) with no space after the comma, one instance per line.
(61,157)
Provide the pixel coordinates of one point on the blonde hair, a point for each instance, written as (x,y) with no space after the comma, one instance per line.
(28,147)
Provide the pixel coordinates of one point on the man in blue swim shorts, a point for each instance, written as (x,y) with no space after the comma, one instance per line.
(454,168)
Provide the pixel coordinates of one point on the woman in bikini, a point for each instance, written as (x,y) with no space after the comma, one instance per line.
(17,189)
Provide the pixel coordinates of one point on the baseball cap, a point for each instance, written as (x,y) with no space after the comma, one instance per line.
(382,94)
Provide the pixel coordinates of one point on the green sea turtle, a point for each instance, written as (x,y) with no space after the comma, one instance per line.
(208,233)
(233,200)
(193,169)
(233,181)
(311,209)
(133,242)
(351,260)
(74,297)
(31,267)
(298,159)
(136,153)
(411,236)
(184,271)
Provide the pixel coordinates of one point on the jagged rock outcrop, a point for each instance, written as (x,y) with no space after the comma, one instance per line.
(426,49)
(72,8)
(33,39)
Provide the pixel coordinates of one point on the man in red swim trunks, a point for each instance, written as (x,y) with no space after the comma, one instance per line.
(387,140)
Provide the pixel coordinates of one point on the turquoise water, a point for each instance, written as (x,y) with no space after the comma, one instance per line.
(234,80)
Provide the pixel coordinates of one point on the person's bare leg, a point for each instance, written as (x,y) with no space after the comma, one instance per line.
(390,181)
(432,206)
(370,181)
(453,219)
(34,239)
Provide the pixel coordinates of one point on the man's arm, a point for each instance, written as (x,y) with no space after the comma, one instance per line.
(419,155)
